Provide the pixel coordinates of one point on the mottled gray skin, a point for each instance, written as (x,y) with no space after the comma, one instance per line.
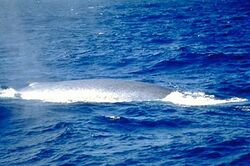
(138,91)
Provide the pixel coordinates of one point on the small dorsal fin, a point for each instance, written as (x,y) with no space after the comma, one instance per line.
(33,84)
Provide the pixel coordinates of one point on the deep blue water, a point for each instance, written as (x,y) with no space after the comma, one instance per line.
(195,46)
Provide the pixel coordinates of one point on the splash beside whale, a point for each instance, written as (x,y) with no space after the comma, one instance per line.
(110,91)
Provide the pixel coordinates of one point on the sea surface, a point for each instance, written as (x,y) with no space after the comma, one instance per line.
(198,48)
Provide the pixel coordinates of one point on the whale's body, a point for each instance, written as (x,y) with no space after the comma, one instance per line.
(110,91)
(94,90)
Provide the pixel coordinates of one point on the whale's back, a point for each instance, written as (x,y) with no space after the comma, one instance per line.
(96,90)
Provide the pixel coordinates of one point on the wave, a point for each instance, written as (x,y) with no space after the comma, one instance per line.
(8,93)
(58,95)
(198,99)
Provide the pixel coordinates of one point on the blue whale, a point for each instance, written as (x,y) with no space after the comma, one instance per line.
(94,90)
(110,91)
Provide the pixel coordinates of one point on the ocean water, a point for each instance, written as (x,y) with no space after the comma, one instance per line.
(200,49)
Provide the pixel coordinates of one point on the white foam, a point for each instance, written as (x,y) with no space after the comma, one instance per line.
(113,117)
(8,93)
(198,99)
